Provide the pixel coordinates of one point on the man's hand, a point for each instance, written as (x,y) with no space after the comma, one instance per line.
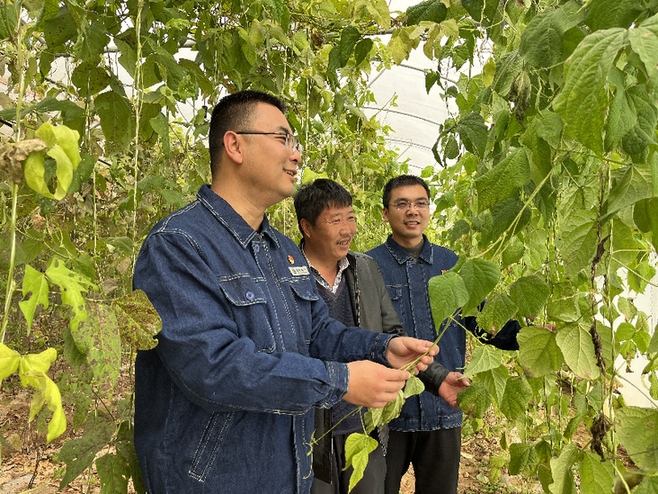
(451,386)
(372,384)
(403,350)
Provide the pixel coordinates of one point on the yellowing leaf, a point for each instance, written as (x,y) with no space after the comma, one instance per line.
(358,447)
(488,72)
(34,282)
(9,360)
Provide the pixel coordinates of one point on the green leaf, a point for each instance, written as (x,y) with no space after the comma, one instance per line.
(116,118)
(447,293)
(494,381)
(583,101)
(645,215)
(621,118)
(473,133)
(97,337)
(637,431)
(644,42)
(604,14)
(474,400)
(479,9)
(529,294)
(362,50)
(578,240)
(508,67)
(634,185)
(348,39)
(137,319)
(539,354)
(34,283)
(542,40)
(357,450)
(496,312)
(9,360)
(480,278)
(71,285)
(578,349)
(483,358)
(79,454)
(393,408)
(523,459)
(561,468)
(413,387)
(505,215)
(429,10)
(516,398)
(113,473)
(504,180)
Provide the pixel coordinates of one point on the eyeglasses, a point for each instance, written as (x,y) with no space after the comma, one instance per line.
(291,142)
(403,204)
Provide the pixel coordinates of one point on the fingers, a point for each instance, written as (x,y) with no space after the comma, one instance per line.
(373,385)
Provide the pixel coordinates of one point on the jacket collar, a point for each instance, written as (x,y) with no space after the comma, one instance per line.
(234,223)
(400,254)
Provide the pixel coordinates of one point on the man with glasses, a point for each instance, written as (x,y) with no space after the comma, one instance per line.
(427,433)
(224,402)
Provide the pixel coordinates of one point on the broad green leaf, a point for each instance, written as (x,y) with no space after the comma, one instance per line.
(508,66)
(34,283)
(348,39)
(604,14)
(596,477)
(373,418)
(523,459)
(474,400)
(503,180)
(393,408)
(357,449)
(362,49)
(644,42)
(496,312)
(400,45)
(494,382)
(413,387)
(624,331)
(429,10)
(481,10)
(484,358)
(473,133)
(79,453)
(583,101)
(9,360)
(563,304)
(549,128)
(542,40)
(516,398)
(137,320)
(508,216)
(513,251)
(480,278)
(539,353)
(561,469)
(97,337)
(116,118)
(637,431)
(643,133)
(71,285)
(578,240)
(488,72)
(447,293)
(634,185)
(529,294)
(621,118)
(113,473)
(645,215)
(161,126)
(647,485)
(577,348)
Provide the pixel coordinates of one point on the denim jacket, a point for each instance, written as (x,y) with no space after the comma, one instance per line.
(407,281)
(224,403)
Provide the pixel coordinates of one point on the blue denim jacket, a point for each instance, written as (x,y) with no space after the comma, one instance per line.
(224,403)
(407,281)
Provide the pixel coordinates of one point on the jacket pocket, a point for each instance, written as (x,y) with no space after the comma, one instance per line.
(249,307)
(210,445)
(396,293)
(304,296)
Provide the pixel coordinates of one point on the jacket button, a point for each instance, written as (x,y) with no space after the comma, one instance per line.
(256,247)
(249,295)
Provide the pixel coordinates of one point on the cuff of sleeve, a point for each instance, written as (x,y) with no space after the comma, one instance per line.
(339,376)
(379,348)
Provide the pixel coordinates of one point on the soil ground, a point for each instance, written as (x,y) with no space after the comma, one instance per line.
(29,466)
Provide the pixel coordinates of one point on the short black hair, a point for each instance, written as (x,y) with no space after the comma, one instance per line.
(313,198)
(234,112)
(402,181)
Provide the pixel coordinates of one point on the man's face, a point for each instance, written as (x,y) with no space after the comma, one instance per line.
(332,234)
(408,213)
(271,166)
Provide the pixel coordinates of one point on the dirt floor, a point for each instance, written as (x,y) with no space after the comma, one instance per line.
(25,468)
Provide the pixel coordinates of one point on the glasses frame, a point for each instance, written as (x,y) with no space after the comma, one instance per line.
(404,205)
(292,143)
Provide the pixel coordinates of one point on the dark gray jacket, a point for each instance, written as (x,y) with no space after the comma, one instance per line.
(373,310)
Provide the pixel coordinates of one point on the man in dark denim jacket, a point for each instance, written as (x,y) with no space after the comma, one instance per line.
(428,431)
(224,403)
(355,292)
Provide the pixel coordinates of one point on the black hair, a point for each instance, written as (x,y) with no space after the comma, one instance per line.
(402,181)
(234,112)
(313,198)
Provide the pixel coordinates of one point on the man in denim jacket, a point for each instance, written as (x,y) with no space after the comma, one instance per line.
(224,403)
(428,431)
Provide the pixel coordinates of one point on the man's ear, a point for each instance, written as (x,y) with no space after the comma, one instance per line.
(385,214)
(306,227)
(233,146)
